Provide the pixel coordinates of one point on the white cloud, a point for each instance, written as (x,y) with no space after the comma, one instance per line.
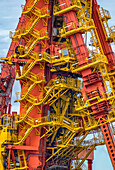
(5,39)
(9,17)
(4,32)
(3,52)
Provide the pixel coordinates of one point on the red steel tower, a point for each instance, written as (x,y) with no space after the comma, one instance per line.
(67,87)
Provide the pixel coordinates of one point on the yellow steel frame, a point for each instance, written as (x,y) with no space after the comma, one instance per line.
(58,91)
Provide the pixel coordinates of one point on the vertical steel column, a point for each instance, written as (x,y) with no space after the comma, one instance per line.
(90,162)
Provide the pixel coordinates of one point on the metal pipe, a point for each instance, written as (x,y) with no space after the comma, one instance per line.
(77,45)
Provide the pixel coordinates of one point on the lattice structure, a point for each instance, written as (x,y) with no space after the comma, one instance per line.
(67,90)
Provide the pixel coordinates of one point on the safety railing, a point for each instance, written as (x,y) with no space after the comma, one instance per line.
(29,5)
(9,121)
(68,81)
(29,27)
(32,99)
(45,56)
(35,77)
(13,33)
(66,6)
(93,59)
(112,31)
(79,103)
(70,28)
(66,122)
(105,13)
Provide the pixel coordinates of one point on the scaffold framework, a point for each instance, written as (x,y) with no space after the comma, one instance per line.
(62,57)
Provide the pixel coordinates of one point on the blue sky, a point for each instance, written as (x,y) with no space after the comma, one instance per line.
(10,11)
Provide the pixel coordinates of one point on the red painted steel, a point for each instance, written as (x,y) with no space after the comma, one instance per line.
(93,85)
(105,44)
(35,161)
(90,164)
(106,129)
(91,88)
(7,77)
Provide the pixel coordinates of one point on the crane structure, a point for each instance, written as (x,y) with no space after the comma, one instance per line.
(61,54)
